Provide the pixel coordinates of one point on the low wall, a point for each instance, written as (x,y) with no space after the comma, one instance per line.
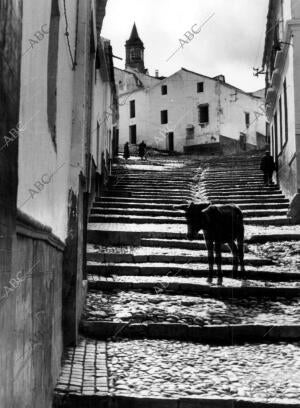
(36,291)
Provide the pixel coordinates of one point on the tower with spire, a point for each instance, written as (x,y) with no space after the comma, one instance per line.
(135,52)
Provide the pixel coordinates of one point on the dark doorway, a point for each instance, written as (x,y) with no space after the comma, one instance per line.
(132,134)
(171,141)
(242,141)
(115,142)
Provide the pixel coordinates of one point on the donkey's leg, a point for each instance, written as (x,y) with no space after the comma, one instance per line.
(210,250)
(219,262)
(241,257)
(235,262)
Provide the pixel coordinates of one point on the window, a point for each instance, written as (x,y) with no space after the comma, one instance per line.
(132,134)
(52,70)
(190,132)
(132,109)
(163,117)
(280,122)
(247,119)
(164,90)
(135,54)
(200,87)
(203,114)
(286,118)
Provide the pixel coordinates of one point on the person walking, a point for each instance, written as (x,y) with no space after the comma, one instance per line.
(142,150)
(126,153)
(267,166)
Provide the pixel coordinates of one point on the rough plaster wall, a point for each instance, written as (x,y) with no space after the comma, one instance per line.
(37,156)
(287,169)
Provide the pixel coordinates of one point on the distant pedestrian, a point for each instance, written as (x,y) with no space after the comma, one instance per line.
(126,153)
(267,166)
(142,150)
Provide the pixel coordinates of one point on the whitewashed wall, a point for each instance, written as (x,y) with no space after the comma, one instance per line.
(37,156)
(226,112)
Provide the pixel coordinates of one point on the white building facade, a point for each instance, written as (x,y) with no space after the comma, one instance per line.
(281,62)
(189,112)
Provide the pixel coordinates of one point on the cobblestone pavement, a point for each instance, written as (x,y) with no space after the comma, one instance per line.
(285,254)
(139,307)
(148,272)
(169,368)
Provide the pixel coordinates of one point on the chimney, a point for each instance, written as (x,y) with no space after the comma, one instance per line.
(156,73)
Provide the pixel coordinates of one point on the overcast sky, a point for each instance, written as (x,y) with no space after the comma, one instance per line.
(230,43)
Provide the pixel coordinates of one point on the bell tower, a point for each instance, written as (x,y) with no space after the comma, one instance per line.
(135,52)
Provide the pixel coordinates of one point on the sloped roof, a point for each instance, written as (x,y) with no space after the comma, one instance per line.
(223,83)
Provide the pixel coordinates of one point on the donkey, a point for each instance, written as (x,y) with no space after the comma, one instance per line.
(220,224)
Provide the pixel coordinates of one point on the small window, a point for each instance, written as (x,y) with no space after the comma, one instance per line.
(163,117)
(247,119)
(132,109)
(164,90)
(190,132)
(203,114)
(200,87)
(132,134)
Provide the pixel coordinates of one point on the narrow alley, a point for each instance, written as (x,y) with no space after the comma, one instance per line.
(153,332)
(149,204)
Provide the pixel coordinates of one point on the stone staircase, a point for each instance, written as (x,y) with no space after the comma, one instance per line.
(154,334)
(239,180)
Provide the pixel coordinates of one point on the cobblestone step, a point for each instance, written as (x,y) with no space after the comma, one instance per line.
(102,219)
(243,192)
(132,234)
(174,315)
(169,213)
(156,206)
(172,255)
(128,200)
(257,201)
(210,334)
(155,187)
(223,189)
(178,285)
(250,197)
(225,178)
(232,181)
(180,269)
(149,196)
(135,219)
(274,220)
(177,243)
(153,192)
(154,182)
